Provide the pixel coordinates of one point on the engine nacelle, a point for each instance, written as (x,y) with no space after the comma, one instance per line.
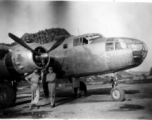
(22,60)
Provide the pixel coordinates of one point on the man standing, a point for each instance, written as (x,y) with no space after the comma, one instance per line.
(51,80)
(34,80)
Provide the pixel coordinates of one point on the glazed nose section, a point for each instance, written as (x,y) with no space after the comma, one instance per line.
(139,51)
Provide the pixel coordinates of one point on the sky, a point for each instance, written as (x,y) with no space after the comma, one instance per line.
(111,19)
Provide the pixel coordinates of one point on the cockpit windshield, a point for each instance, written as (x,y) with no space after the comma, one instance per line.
(139,49)
(120,44)
(86,39)
(91,37)
(115,44)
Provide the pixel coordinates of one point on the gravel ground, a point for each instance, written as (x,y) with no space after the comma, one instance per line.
(96,105)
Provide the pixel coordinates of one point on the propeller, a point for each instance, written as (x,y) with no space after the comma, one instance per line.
(56,44)
(42,57)
(22,43)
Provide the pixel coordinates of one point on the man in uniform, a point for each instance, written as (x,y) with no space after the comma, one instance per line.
(34,80)
(51,80)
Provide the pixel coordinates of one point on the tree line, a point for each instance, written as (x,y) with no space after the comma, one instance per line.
(43,36)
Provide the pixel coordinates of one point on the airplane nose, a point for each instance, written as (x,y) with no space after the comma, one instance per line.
(139,49)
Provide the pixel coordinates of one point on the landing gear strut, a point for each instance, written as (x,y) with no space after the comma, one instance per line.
(83,89)
(79,87)
(117,94)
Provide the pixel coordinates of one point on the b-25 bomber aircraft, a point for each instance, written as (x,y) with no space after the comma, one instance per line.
(73,57)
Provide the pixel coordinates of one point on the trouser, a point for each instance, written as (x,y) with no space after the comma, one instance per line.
(35,90)
(52,91)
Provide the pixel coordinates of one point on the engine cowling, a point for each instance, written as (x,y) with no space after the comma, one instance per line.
(22,60)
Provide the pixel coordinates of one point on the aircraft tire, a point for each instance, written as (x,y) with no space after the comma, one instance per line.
(83,89)
(7,95)
(117,94)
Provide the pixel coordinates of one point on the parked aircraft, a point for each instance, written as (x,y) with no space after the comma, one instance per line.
(75,56)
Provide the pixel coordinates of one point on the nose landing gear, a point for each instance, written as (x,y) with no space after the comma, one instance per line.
(117,94)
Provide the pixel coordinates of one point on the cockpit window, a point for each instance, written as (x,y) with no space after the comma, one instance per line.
(92,37)
(109,46)
(85,41)
(80,41)
(76,42)
(129,43)
(115,44)
(120,45)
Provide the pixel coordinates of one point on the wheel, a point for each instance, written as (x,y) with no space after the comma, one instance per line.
(117,94)
(7,95)
(83,89)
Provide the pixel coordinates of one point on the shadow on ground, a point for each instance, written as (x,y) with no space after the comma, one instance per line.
(15,114)
(129,107)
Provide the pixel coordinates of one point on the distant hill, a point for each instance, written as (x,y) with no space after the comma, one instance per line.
(138,72)
(125,74)
(122,73)
(43,36)
(46,36)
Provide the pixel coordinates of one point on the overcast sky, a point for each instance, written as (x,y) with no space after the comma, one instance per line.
(112,19)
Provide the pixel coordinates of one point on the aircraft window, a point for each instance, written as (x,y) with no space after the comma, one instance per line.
(120,45)
(65,46)
(129,41)
(110,40)
(85,41)
(137,46)
(76,42)
(120,40)
(129,45)
(95,36)
(109,46)
(81,41)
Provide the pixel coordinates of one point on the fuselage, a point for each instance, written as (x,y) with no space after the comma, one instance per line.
(93,54)
(78,56)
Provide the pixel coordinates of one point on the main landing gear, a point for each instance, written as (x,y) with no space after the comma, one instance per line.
(7,95)
(83,89)
(8,91)
(79,87)
(117,94)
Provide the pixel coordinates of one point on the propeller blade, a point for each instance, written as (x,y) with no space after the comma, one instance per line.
(21,42)
(56,44)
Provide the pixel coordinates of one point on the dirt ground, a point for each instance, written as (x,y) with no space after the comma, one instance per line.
(97,104)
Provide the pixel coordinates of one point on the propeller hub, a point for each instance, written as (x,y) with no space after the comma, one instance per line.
(44,56)
(42,59)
